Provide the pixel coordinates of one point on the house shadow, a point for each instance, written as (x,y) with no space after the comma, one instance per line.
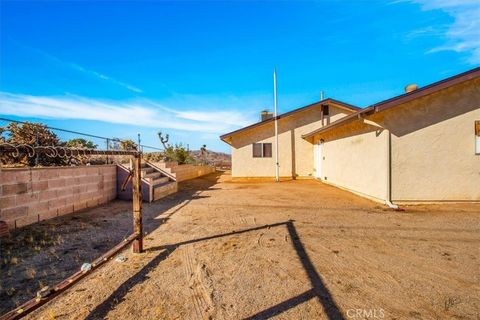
(433,109)
(318,291)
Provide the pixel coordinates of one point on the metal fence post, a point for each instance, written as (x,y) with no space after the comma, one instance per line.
(36,145)
(108,148)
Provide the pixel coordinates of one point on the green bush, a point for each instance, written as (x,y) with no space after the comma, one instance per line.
(178,153)
(80,144)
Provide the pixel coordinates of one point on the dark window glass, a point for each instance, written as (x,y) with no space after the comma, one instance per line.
(325,109)
(257,150)
(267,150)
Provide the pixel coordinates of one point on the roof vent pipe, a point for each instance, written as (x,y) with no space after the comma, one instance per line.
(411,87)
(265,115)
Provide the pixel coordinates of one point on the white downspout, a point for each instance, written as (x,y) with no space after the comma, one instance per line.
(388,196)
(275,115)
(388,200)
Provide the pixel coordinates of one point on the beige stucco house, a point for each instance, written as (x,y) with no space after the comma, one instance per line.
(423,145)
(295,153)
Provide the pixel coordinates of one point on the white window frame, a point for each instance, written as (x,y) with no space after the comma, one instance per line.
(262,148)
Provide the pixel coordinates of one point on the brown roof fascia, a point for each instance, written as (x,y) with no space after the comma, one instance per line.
(403,98)
(350,117)
(325,101)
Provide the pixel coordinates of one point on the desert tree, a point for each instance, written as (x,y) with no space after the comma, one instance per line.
(32,134)
(128,145)
(80,143)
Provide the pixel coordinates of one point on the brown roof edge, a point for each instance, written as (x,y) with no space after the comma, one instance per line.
(328,100)
(340,122)
(403,98)
(342,104)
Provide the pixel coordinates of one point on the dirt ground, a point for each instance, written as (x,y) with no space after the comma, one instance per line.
(250,250)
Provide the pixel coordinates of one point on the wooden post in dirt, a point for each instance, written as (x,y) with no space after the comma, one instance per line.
(137,203)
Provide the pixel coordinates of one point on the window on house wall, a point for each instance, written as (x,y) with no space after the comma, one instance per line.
(325,109)
(262,150)
(477,137)
(257,150)
(267,150)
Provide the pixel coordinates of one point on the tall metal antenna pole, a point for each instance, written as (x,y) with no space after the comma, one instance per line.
(275,115)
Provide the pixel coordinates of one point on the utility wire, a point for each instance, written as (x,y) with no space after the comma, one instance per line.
(76,132)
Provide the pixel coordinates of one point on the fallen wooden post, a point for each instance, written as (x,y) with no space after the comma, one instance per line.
(48,294)
(37,302)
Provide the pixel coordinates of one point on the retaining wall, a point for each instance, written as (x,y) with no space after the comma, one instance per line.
(187,171)
(184,172)
(35,194)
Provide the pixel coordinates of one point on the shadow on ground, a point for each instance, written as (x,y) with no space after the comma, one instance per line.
(318,291)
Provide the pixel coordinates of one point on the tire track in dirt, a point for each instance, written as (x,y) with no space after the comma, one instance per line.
(200,285)
(189,274)
(238,220)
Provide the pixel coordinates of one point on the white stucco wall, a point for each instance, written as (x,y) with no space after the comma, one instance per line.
(245,165)
(295,153)
(432,149)
(433,146)
(355,158)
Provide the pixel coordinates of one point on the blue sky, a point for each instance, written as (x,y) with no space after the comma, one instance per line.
(200,69)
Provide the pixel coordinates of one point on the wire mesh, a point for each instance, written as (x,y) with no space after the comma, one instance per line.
(45,145)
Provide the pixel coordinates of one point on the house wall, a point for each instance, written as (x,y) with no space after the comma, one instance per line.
(295,153)
(34,194)
(243,163)
(433,146)
(432,150)
(355,159)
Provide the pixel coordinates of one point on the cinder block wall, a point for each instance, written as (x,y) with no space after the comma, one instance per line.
(35,194)
(184,172)
(187,171)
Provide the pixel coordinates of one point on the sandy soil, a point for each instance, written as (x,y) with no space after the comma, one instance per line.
(292,250)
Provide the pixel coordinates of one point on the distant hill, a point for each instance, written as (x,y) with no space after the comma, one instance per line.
(212,157)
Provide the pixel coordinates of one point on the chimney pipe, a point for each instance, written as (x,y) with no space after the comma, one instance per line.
(265,115)
(411,87)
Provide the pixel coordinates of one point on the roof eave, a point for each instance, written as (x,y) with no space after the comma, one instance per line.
(342,121)
(337,103)
(401,99)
